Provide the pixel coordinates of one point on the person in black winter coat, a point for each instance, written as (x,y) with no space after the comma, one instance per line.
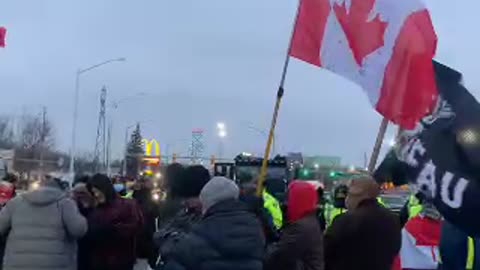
(454,249)
(368,236)
(174,174)
(229,237)
(321,209)
(182,209)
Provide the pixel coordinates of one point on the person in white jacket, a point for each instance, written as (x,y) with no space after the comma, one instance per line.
(42,227)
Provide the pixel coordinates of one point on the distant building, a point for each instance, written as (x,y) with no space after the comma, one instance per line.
(322,161)
(294,159)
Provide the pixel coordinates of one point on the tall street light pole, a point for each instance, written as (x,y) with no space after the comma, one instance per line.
(222,133)
(75,110)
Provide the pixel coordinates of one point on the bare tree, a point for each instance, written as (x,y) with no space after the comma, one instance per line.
(6,132)
(36,131)
(35,142)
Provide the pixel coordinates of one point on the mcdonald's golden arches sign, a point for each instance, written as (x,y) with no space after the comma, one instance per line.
(151,148)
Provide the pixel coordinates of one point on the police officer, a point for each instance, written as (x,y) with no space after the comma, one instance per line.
(338,205)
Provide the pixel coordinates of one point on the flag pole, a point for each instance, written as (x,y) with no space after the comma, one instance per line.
(280,92)
(378,145)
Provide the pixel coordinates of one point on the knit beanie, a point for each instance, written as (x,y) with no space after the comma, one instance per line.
(217,190)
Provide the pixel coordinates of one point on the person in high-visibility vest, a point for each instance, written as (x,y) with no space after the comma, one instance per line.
(457,249)
(412,208)
(381,202)
(128,195)
(338,206)
(273,207)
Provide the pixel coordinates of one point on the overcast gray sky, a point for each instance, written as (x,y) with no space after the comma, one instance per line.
(201,62)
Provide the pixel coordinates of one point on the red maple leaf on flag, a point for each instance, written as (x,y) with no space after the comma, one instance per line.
(3,34)
(364,36)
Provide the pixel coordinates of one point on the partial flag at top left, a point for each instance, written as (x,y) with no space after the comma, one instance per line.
(3,34)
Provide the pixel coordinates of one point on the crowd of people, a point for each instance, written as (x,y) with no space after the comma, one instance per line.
(213,223)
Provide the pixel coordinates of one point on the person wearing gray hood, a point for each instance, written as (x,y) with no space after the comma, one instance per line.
(42,227)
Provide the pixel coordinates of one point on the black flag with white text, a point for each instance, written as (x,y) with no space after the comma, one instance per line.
(442,155)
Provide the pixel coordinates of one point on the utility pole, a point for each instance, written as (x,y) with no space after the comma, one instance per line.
(42,140)
(124,167)
(109,145)
(100,142)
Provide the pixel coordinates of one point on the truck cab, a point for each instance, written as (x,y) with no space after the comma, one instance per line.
(247,169)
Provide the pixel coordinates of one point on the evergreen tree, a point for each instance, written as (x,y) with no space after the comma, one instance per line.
(134,152)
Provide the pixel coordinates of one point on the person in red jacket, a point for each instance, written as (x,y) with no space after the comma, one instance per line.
(113,227)
(7,192)
(301,242)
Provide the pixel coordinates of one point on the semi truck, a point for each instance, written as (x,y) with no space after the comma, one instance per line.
(246,168)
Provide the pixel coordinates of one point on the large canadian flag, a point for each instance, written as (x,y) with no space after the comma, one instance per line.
(385,46)
(3,34)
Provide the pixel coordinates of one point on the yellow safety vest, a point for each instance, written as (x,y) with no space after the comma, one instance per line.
(327,212)
(412,200)
(470,254)
(414,207)
(333,213)
(380,201)
(129,195)
(414,211)
(273,207)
